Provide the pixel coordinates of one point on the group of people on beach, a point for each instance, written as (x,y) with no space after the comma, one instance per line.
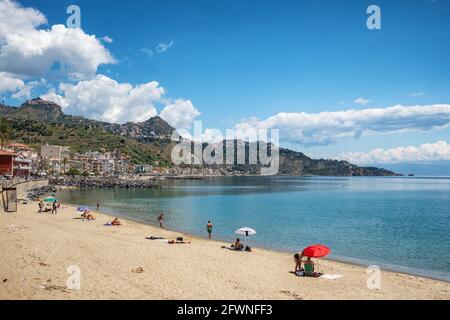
(53,210)
(209,225)
(302,267)
(308,269)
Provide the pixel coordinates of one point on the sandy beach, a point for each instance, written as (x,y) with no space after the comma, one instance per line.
(37,249)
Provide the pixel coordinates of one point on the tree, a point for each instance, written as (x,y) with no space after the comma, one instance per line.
(73,172)
(64,162)
(5,132)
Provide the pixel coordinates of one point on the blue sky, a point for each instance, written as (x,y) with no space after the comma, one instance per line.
(239,59)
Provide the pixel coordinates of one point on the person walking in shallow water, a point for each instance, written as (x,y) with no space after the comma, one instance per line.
(209,228)
(161,220)
(98,204)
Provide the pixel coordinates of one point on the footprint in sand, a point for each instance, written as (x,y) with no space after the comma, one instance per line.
(293,295)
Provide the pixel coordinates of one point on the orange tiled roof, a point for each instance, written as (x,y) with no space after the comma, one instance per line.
(6,153)
(19,145)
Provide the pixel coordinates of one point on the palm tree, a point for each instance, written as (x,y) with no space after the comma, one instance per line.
(64,162)
(5,132)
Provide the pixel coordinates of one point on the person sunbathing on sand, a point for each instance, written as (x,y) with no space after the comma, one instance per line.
(87,216)
(116,222)
(178,242)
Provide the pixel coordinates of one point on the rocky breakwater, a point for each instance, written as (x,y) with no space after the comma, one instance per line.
(101,183)
(37,193)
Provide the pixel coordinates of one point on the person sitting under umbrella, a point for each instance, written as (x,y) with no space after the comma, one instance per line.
(309,267)
(316,251)
(238,245)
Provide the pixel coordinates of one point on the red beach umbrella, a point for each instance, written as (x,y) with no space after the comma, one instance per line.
(316,251)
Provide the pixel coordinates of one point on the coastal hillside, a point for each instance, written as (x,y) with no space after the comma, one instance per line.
(38,122)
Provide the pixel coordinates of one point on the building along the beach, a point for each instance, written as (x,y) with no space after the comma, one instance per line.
(7,163)
(55,156)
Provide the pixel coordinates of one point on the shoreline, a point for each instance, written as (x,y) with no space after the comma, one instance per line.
(39,248)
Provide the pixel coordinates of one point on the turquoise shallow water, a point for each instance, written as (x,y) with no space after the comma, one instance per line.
(401,224)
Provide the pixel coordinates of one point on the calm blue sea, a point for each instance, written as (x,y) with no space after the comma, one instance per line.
(400,224)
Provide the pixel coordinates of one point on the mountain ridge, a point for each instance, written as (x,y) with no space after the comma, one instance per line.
(38,121)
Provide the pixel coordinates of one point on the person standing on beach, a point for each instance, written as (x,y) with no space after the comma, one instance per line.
(209,228)
(41,207)
(161,220)
(298,263)
(54,208)
(98,204)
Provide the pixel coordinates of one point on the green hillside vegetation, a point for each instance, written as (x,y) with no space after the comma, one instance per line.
(87,138)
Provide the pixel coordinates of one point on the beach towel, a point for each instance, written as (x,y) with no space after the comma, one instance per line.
(107,225)
(331,276)
(154,238)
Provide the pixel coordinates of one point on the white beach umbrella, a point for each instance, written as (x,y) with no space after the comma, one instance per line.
(247,232)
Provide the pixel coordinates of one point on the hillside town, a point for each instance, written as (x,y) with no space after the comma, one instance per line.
(21,161)
(18,160)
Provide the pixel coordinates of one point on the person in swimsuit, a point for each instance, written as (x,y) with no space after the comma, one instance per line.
(309,267)
(238,245)
(87,216)
(209,228)
(298,263)
(116,222)
(161,220)
(54,208)
(41,207)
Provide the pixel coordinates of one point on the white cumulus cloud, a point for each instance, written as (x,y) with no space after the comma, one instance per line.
(9,83)
(105,99)
(425,152)
(28,51)
(15,19)
(325,128)
(180,113)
